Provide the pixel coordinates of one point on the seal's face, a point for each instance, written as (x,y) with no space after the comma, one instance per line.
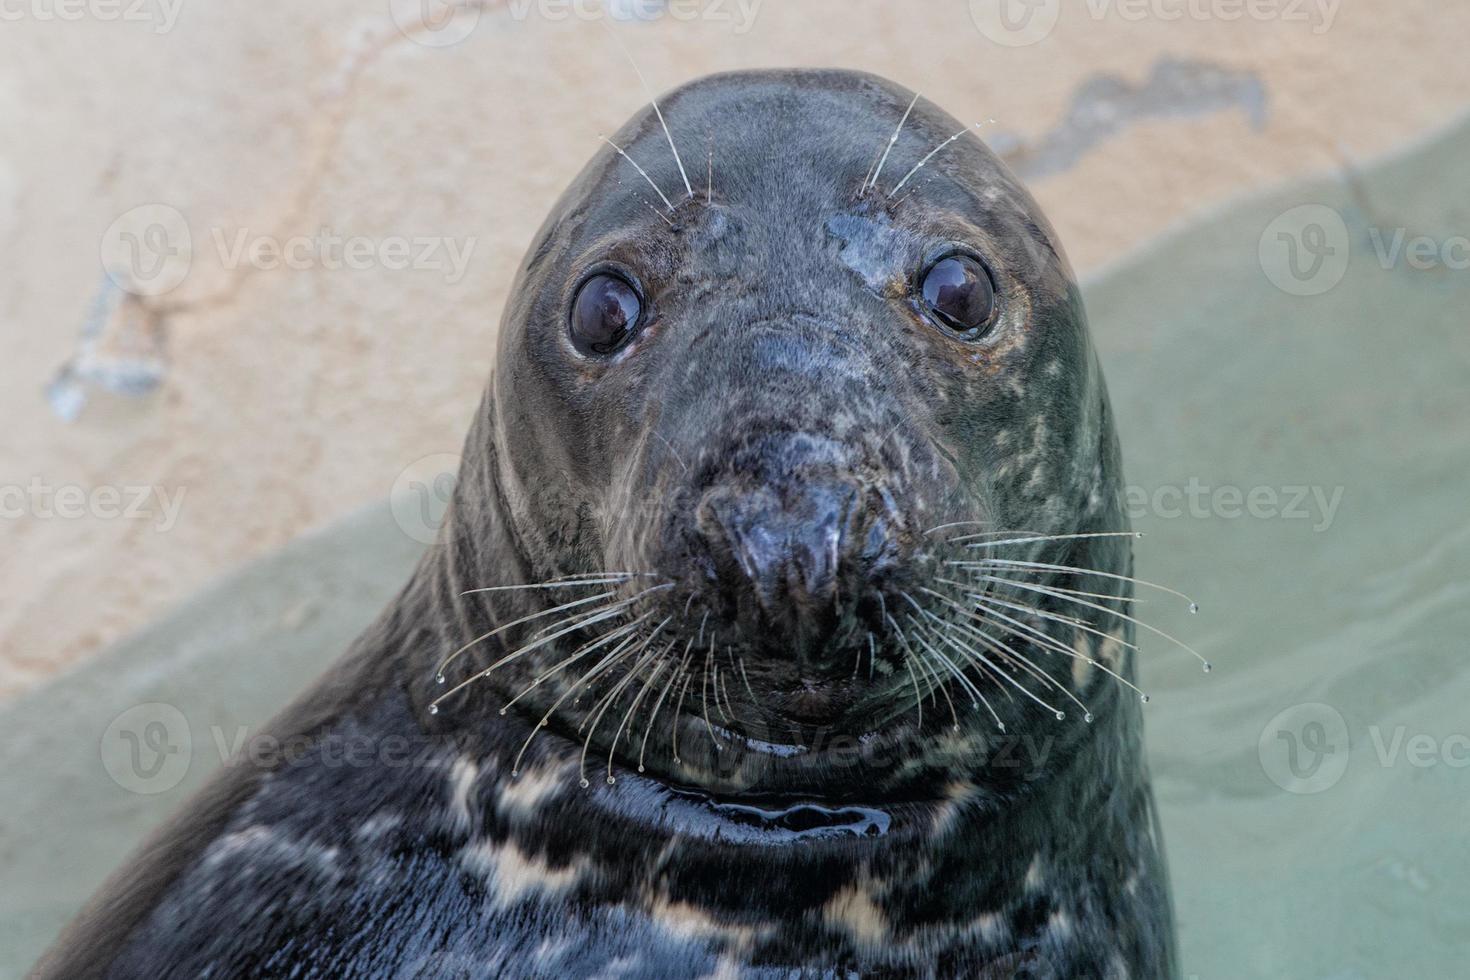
(780,406)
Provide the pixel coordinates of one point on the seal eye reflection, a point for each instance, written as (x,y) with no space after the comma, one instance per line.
(604,314)
(958,292)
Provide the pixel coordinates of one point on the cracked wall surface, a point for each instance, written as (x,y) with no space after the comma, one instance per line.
(287,397)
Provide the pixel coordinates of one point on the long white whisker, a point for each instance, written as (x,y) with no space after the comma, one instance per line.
(673,676)
(632,709)
(892,140)
(958,675)
(608,578)
(444,664)
(1041,538)
(1045,590)
(654,102)
(999,648)
(1093,661)
(614,656)
(1049,614)
(908,663)
(931,154)
(977,697)
(522,651)
(1075,569)
(1020,658)
(674,720)
(628,630)
(1047,643)
(611,696)
(644,173)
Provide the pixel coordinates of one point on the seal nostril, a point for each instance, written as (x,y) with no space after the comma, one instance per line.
(789,547)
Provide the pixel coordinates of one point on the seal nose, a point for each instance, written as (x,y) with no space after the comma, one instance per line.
(788,545)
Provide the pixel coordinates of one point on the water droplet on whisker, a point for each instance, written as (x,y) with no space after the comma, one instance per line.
(584,783)
(1208,666)
(1144,698)
(1194,607)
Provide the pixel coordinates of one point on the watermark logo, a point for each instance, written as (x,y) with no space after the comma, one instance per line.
(148,250)
(1016,23)
(1305,251)
(421,495)
(147,749)
(1305,749)
(162,15)
(436,23)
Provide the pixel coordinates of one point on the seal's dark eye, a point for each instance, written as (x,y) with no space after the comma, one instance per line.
(604,314)
(958,291)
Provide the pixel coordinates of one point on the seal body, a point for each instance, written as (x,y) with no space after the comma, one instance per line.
(778,627)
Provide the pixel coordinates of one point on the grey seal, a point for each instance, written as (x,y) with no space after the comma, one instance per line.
(780,623)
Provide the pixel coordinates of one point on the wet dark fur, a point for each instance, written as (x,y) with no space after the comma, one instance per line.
(784,353)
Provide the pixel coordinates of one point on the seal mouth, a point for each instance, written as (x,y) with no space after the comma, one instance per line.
(973,646)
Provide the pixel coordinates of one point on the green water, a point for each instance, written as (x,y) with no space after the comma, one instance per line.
(1348,609)
(1363,871)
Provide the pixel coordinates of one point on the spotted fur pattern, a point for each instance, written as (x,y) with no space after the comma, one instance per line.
(782,345)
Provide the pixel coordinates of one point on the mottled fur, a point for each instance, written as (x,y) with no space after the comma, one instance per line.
(784,351)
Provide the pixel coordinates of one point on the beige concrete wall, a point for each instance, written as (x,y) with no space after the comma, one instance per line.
(294,395)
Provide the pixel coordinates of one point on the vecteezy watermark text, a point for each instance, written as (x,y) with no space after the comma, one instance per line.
(1017,23)
(443,23)
(332,251)
(44,501)
(162,14)
(1229,502)
(149,251)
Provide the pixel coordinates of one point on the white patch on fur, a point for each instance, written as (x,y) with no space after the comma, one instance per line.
(524,794)
(1082,666)
(1035,875)
(462,776)
(854,911)
(264,844)
(692,923)
(515,876)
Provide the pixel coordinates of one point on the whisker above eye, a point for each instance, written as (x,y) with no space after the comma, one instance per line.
(653,102)
(872,179)
(929,156)
(643,173)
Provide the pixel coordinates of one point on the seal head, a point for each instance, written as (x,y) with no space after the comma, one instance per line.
(780,623)
(782,401)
